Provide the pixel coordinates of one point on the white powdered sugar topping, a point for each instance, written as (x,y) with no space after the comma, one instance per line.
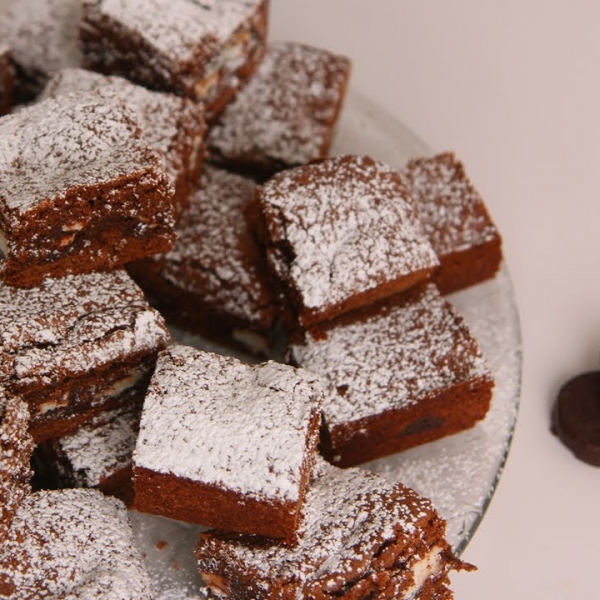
(53,146)
(451,210)
(43,34)
(72,544)
(177,28)
(71,325)
(350,226)
(393,359)
(215,420)
(287,110)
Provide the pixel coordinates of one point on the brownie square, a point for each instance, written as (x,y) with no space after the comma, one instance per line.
(286,114)
(226,444)
(202,50)
(7,79)
(360,537)
(43,36)
(171,126)
(72,544)
(78,191)
(456,221)
(340,234)
(77,345)
(404,374)
(214,280)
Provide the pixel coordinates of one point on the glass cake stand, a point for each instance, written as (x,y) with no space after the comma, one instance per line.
(458,473)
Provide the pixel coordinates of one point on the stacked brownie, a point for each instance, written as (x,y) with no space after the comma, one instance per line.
(268,244)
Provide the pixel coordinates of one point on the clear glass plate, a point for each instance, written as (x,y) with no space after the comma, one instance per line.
(458,473)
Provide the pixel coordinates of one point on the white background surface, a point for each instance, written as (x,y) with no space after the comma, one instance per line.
(514,88)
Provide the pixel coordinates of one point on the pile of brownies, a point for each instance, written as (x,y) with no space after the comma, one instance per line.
(162,163)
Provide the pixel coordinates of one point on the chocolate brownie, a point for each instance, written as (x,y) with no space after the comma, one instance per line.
(456,221)
(7,79)
(72,544)
(202,50)
(97,455)
(404,374)
(286,114)
(174,127)
(76,345)
(226,444)
(78,191)
(360,537)
(214,280)
(43,36)
(340,234)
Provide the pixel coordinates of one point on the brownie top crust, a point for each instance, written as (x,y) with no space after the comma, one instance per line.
(393,358)
(74,324)
(72,544)
(214,419)
(450,207)
(348,224)
(177,28)
(78,140)
(286,111)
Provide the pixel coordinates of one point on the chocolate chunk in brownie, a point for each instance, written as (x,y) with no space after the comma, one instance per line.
(203,50)
(214,281)
(405,374)
(72,544)
(7,79)
(456,221)
(174,127)
(78,191)
(340,234)
(360,537)
(226,444)
(77,345)
(286,114)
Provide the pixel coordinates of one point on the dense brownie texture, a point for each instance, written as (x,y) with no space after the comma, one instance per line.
(7,79)
(214,281)
(43,36)
(360,537)
(173,127)
(456,221)
(286,114)
(72,544)
(202,50)
(404,374)
(16,447)
(340,234)
(576,416)
(78,191)
(97,455)
(77,345)
(226,444)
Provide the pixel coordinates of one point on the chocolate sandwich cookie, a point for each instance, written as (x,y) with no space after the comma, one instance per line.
(576,416)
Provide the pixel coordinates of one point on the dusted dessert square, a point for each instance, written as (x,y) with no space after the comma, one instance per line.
(171,126)
(285,116)
(43,36)
(7,79)
(340,234)
(456,221)
(202,50)
(78,191)
(360,537)
(405,374)
(72,544)
(77,345)
(226,444)
(214,280)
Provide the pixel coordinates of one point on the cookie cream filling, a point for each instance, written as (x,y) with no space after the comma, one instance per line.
(429,566)
(3,244)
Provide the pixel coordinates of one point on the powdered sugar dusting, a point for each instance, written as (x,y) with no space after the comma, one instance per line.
(350,225)
(393,359)
(287,110)
(213,419)
(72,544)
